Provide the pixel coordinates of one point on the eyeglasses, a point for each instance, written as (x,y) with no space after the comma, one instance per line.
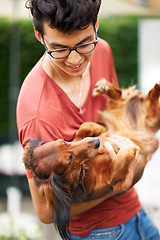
(65,52)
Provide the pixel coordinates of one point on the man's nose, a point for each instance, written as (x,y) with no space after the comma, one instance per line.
(74,58)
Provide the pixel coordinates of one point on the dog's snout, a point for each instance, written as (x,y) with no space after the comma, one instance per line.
(97,143)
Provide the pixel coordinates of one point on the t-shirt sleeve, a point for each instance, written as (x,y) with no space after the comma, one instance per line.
(40,130)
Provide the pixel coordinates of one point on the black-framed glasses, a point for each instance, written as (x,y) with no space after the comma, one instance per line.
(65,52)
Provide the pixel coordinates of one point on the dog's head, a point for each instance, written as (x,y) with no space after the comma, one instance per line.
(58,156)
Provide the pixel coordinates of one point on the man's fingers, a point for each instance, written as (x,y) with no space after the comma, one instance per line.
(110,150)
(120,141)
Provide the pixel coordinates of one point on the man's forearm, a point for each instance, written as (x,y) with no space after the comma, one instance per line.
(78,208)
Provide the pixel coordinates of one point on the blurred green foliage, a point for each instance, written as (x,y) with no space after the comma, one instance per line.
(30,52)
(120,32)
(4,74)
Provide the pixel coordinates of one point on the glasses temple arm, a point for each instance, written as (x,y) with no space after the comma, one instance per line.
(44,42)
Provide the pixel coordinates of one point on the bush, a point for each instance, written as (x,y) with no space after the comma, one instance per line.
(5,27)
(121,34)
(30,52)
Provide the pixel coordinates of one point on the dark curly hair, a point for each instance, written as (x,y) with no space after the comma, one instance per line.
(64,15)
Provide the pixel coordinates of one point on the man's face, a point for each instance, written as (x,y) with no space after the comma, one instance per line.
(75,64)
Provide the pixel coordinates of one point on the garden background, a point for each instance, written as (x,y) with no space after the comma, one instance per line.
(19,51)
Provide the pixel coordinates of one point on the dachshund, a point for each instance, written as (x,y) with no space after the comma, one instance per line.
(80,170)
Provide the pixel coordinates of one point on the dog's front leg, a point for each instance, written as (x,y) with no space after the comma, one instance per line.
(89,129)
(120,173)
(103,86)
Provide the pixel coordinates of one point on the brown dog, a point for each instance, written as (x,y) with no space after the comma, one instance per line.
(67,172)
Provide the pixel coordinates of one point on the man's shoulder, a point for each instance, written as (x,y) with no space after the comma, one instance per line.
(103,45)
(102,50)
(36,72)
(102,53)
(30,93)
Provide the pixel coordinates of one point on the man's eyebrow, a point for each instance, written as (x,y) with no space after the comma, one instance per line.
(84,40)
(53,44)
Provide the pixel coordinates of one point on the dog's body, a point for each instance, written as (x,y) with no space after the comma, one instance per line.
(67,172)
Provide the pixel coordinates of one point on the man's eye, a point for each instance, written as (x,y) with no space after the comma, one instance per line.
(83,46)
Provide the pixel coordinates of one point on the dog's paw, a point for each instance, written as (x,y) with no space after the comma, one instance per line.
(102,86)
(124,162)
(89,129)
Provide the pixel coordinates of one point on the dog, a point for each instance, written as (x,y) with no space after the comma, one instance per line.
(80,170)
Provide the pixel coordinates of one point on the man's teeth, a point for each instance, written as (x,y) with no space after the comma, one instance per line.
(77,66)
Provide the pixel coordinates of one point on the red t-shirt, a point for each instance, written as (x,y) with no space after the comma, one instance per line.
(44,111)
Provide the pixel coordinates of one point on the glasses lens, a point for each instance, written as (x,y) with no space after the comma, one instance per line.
(83,49)
(60,53)
(86,48)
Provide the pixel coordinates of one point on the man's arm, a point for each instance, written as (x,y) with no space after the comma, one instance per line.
(43,211)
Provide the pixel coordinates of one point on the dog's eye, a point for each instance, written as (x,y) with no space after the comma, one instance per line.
(70,159)
(65,142)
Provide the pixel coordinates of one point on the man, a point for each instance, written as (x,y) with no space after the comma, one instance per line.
(56,98)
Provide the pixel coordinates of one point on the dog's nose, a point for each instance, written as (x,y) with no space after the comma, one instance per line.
(97,143)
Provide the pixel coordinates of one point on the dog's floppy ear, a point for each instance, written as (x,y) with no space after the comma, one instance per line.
(57,195)
(28,151)
(61,201)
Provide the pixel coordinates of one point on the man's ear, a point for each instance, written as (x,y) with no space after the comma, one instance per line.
(38,35)
(97,25)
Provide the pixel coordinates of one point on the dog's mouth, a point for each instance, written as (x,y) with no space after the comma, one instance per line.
(88,148)
(93,147)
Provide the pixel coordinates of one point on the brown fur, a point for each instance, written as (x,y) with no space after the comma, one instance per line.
(67,172)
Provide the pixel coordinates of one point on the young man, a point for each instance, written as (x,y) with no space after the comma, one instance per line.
(56,98)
